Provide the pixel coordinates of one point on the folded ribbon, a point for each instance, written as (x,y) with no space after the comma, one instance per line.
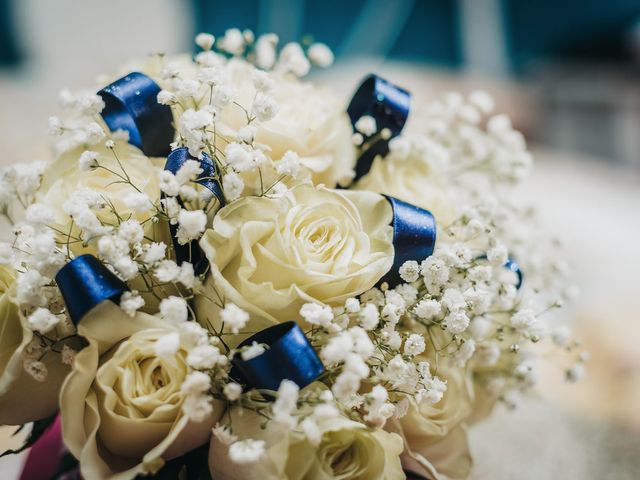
(131,104)
(389,105)
(85,283)
(414,236)
(175,160)
(289,356)
(512,265)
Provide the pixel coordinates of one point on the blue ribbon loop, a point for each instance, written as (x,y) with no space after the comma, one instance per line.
(131,104)
(389,105)
(192,252)
(512,265)
(85,283)
(289,356)
(414,236)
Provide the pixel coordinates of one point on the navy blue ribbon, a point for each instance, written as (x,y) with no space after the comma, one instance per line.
(414,236)
(85,283)
(389,105)
(512,265)
(131,104)
(176,159)
(289,356)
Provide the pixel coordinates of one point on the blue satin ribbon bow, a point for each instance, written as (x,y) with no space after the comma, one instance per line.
(175,160)
(289,356)
(414,236)
(131,104)
(389,105)
(85,283)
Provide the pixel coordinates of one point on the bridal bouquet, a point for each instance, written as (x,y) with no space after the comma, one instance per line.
(228,272)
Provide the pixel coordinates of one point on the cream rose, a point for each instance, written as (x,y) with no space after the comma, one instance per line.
(435,435)
(413,180)
(270,256)
(311,121)
(63,178)
(347,450)
(122,405)
(22,398)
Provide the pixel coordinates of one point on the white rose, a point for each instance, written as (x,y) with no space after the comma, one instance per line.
(310,121)
(122,404)
(313,245)
(63,178)
(412,180)
(435,436)
(22,398)
(347,449)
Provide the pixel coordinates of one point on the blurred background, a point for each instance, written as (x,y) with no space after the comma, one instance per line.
(567,71)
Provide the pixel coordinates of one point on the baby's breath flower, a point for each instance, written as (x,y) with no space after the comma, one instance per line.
(205,41)
(234,317)
(42,320)
(247,451)
(366,125)
(174,310)
(167,345)
(130,302)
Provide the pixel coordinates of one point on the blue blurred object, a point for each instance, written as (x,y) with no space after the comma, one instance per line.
(10,54)
(433,31)
(424,30)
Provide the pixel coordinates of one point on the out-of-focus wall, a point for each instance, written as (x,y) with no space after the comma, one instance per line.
(68,43)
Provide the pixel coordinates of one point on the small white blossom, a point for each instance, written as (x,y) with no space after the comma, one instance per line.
(289,164)
(316,314)
(167,271)
(498,255)
(414,345)
(369,317)
(247,451)
(456,322)
(523,319)
(192,224)
(205,41)
(42,320)
(232,391)
(352,305)
(168,183)
(366,125)
(197,407)
(196,383)
(174,310)
(131,231)
(138,202)
(410,271)
(167,345)
(205,357)
(167,98)
(232,42)
(88,160)
(252,351)
(320,55)
(264,107)
(233,186)
(234,317)
(292,59)
(427,309)
(130,302)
